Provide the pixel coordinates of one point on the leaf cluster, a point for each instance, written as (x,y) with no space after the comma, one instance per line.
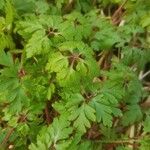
(73,74)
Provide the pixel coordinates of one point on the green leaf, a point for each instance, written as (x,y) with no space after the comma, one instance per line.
(145,143)
(145,20)
(9,12)
(105,108)
(57,62)
(130,117)
(146,124)
(38,44)
(6,59)
(82,117)
(50,91)
(55,136)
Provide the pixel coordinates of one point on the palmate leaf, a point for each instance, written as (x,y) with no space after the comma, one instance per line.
(38,41)
(18,99)
(76,46)
(28,27)
(126,81)
(6,40)
(34,33)
(69,100)
(86,64)
(119,73)
(51,21)
(103,112)
(106,36)
(130,117)
(80,112)
(9,11)
(131,57)
(106,102)
(55,136)
(60,131)
(69,73)
(86,56)
(76,27)
(71,79)
(112,91)
(57,62)
(105,109)
(37,44)
(6,59)
(41,7)
(14,93)
(8,76)
(82,117)
(134,92)
(10,84)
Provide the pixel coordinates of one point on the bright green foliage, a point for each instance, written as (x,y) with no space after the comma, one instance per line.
(6,40)
(82,115)
(105,109)
(6,59)
(147,124)
(145,144)
(9,84)
(73,74)
(55,136)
